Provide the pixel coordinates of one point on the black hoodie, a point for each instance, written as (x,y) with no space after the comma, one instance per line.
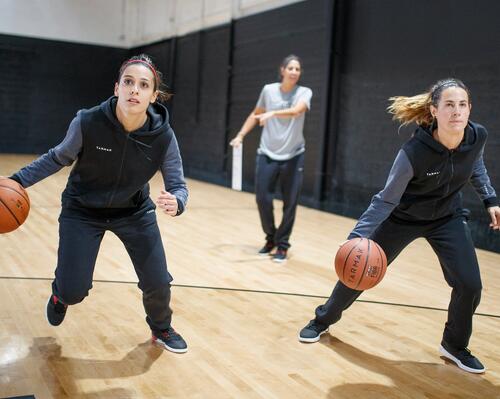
(426,178)
(113,166)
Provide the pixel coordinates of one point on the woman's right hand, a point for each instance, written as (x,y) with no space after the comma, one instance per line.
(236,142)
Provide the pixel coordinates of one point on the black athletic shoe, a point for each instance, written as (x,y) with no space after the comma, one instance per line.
(56,310)
(267,248)
(312,332)
(463,358)
(170,340)
(280,255)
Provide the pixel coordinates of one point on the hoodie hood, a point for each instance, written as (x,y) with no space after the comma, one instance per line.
(157,118)
(424,134)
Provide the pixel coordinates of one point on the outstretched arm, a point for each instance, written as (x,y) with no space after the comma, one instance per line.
(64,154)
(247,127)
(386,200)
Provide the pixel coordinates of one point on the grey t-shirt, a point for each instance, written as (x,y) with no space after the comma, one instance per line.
(282,137)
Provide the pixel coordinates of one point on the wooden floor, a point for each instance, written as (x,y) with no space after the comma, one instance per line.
(239,313)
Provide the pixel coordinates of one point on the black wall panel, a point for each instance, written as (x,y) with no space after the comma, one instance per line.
(260,43)
(200,102)
(42,85)
(401,47)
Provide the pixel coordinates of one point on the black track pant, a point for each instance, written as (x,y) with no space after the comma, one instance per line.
(290,175)
(79,241)
(451,241)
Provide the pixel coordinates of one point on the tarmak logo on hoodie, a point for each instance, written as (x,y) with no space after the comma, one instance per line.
(433,173)
(103,148)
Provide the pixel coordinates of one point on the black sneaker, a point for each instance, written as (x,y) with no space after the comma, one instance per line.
(170,340)
(56,310)
(280,255)
(267,248)
(463,358)
(312,332)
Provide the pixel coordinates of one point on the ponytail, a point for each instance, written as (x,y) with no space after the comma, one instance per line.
(418,108)
(411,109)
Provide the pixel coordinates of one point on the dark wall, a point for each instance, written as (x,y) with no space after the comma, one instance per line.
(200,101)
(356,54)
(42,85)
(401,49)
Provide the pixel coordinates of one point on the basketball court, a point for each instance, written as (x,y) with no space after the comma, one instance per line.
(240,314)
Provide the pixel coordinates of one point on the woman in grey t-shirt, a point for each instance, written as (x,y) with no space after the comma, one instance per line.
(281,111)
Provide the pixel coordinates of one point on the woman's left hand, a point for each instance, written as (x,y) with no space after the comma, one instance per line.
(262,118)
(168,202)
(494,212)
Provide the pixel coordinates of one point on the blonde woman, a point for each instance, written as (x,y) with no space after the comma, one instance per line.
(422,198)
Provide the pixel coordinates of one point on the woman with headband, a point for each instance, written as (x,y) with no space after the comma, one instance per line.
(422,198)
(118,147)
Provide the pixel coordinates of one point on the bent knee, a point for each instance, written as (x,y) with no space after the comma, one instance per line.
(72,297)
(472,288)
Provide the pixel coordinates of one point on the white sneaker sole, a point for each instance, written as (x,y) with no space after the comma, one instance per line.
(312,340)
(279,260)
(449,356)
(162,344)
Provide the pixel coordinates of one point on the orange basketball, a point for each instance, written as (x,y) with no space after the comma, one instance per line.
(14,205)
(360,263)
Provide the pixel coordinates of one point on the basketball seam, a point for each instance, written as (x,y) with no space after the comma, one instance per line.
(21,194)
(347,257)
(379,249)
(8,209)
(366,263)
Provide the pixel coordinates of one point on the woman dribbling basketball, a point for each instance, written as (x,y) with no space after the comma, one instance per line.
(118,147)
(422,198)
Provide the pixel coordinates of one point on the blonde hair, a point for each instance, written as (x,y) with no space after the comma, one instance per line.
(418,108)
(411,109)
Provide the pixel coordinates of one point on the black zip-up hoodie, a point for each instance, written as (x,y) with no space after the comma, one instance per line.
(110,177)
(438,173)
(426,178)
(114,166)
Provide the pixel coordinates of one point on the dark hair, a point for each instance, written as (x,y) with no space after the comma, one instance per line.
(144,59)
(417,108)
(287,60)
(437,89)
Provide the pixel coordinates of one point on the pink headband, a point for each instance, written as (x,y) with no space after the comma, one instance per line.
(157,81)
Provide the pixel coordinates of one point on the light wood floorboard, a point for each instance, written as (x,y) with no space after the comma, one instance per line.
(240,313)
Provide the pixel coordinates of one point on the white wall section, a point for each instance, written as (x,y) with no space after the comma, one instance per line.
(122,23)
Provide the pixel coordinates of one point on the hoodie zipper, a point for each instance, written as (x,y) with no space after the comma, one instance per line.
(452,172)
(112,196)
(452,167)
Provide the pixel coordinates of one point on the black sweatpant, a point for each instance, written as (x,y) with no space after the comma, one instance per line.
(79,241)
(290,175)
(451,241)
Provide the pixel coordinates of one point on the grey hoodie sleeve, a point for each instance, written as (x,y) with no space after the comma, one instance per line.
(481,182)
(386,200)
(173,175)
(64,154)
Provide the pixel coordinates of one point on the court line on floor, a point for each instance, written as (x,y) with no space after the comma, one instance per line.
(257,292)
